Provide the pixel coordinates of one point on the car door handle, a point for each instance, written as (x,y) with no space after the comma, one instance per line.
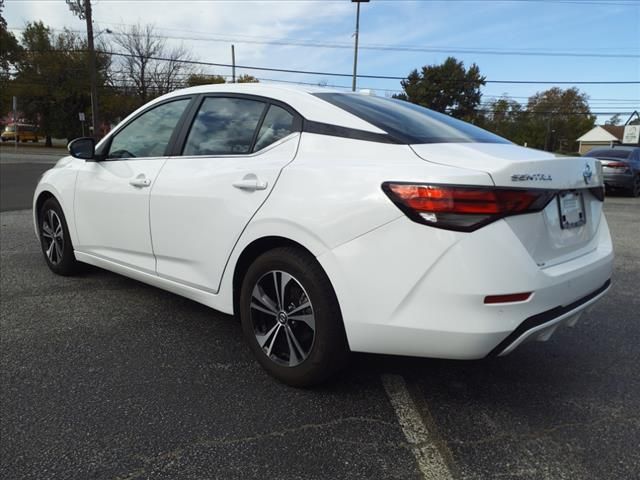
(140,181)
(250,183)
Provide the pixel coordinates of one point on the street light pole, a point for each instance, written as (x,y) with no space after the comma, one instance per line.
(355,53)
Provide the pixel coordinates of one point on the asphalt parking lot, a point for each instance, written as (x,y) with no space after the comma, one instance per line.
(103,377)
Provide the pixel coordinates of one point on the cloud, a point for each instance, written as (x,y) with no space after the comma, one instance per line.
(183,21)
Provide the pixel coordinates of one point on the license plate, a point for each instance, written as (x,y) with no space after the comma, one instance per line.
(571,207)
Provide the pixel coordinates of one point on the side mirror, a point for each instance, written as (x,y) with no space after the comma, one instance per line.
(83,148)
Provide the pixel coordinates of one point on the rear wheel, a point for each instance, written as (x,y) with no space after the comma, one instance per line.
(55,240)
(635,190)
(291,318)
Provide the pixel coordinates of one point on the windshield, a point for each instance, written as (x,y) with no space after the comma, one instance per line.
(409,123)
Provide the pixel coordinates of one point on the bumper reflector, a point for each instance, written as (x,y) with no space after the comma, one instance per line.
(512,297)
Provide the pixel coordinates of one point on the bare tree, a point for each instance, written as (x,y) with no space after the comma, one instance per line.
(172,73)
(147,64)
(246,78)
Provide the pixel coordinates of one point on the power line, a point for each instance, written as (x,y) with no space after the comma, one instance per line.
(130,85)
(336,74)
(378,77)
(259,37)
(631,3)
(400,90)
(498,96)
(393,48)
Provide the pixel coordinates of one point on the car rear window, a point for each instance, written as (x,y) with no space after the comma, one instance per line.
(621,154)
(407,122)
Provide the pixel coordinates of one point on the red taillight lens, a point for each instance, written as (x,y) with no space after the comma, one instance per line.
(616,165)
(621,167)
(463,208)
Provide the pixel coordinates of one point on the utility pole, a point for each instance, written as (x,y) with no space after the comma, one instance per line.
(233,63)
(355,53)
(92,66)
(82,8)
(15,122)
(547,134)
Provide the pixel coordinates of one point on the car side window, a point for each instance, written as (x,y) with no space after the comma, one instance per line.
(149,134)
(224,126)
(277,124)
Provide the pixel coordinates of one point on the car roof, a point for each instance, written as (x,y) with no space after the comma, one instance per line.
(299,97)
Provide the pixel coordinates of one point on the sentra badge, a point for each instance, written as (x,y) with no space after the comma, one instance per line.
(531,177)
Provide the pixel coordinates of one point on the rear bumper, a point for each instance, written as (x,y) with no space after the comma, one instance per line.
(407,289)
(619,180)
(543,325)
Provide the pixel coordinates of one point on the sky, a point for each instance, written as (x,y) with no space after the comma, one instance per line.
(523,40)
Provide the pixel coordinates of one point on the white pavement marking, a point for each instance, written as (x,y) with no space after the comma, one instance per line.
(430,460)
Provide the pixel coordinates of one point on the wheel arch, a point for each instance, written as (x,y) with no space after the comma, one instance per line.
(252,251)
(41,197)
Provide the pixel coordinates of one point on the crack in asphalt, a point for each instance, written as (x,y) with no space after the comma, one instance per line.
(542,432)
(176,453)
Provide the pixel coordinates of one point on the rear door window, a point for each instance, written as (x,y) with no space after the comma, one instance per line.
(224,126)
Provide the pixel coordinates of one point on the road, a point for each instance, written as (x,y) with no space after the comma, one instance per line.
(30,153)
(19,173)
(106,378)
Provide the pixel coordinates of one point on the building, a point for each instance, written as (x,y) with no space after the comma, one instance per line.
(600,136)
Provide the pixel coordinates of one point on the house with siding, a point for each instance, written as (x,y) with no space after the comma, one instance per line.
(600,136)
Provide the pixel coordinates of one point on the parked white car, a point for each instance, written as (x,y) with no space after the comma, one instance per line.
(333,222)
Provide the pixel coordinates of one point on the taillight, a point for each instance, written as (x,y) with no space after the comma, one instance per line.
(463,208)
(618,166)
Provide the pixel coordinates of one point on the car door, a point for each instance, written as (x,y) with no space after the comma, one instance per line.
(204,198)
(112,195)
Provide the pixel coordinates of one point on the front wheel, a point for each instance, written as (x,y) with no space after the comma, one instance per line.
(55,240)
(291,318)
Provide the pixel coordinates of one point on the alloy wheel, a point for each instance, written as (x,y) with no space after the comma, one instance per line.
(283,318)
(53,236)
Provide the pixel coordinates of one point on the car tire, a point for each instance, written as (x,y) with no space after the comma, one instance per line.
(291,318)
(55,240)
(635,190)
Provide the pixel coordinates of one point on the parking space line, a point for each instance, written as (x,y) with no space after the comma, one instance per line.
(430,461)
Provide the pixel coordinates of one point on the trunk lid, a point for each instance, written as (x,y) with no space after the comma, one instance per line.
(512,166)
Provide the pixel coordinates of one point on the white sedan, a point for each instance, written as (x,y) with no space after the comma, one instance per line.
(332,222)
